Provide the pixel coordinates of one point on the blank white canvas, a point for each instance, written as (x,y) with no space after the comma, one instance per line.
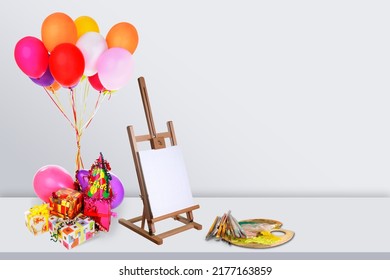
(166,180)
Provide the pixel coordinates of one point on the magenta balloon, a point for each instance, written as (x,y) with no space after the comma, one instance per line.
(49,179)
(115,67)
(31,56)
(118,192)
(82,177)
(95,82)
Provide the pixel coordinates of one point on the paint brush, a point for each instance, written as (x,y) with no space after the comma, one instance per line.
(213,226)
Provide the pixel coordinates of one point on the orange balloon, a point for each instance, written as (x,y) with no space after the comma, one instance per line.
(56,29)
(53,87)
(123,35)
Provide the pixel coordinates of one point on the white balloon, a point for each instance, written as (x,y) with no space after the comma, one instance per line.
(92,45)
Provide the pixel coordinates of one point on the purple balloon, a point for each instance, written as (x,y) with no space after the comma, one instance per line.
(118,192)
(82,177)
(44,81)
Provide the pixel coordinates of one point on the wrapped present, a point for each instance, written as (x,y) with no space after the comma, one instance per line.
(100,211)
(66,203)
(71,233)
(37,218)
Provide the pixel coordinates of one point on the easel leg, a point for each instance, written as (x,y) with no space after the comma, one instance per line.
(152,229)
(131,225)
(188,220)
(143,219)
(190,216)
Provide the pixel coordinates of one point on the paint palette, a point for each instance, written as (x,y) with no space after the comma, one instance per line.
(261,234)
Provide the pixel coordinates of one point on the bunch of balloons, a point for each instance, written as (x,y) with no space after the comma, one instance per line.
(71,49)
(71,53)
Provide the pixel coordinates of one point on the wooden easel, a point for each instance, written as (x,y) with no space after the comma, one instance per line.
(157,141)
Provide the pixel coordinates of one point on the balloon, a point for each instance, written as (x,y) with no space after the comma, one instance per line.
(115,67)
(44,81)
(53,87)
(49,179)
(31,56)
(85,24)
(95,82)
(82,177)
(58,28)
(123,35)
(67,64)
(118,192)
(92,45)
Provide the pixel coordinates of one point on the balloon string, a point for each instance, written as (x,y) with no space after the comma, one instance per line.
(59,108)
(75,97)
(97,107)
(84,99)
(85,96)
(79,161)
(58,100)
(97,101)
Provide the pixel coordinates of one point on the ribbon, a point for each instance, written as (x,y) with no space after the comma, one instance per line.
(59,107)
(78,117)
(39,210)
(92,209)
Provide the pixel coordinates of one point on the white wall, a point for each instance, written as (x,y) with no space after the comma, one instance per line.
(268,98)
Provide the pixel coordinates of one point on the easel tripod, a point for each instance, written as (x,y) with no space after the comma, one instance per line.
(157,141)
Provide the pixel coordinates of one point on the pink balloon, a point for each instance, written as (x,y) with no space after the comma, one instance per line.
(49,179)
(115,67)
(118,192)
(31,56)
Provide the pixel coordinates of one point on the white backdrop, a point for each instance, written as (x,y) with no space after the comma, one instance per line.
(268,98)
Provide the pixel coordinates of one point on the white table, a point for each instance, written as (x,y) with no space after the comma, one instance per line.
(325,228)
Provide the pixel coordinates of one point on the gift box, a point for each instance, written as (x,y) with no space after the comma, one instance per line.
(66,203)
(36,218)
(99,210)
(71,233)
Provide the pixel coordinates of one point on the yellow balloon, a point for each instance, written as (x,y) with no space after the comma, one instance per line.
(85,24)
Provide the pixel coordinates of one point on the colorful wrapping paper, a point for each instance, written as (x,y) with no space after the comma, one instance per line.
(99,210)
(36,219)
(66,203)
(71,233)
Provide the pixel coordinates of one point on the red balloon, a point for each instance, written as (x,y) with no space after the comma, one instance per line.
(67,64)
(95,82)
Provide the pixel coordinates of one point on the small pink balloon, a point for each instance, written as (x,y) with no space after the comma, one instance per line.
(115,67)
(49,179)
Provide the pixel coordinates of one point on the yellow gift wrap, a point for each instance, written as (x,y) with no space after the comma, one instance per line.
(37,218)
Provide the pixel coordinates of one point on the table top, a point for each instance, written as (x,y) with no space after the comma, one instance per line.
(323,227)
